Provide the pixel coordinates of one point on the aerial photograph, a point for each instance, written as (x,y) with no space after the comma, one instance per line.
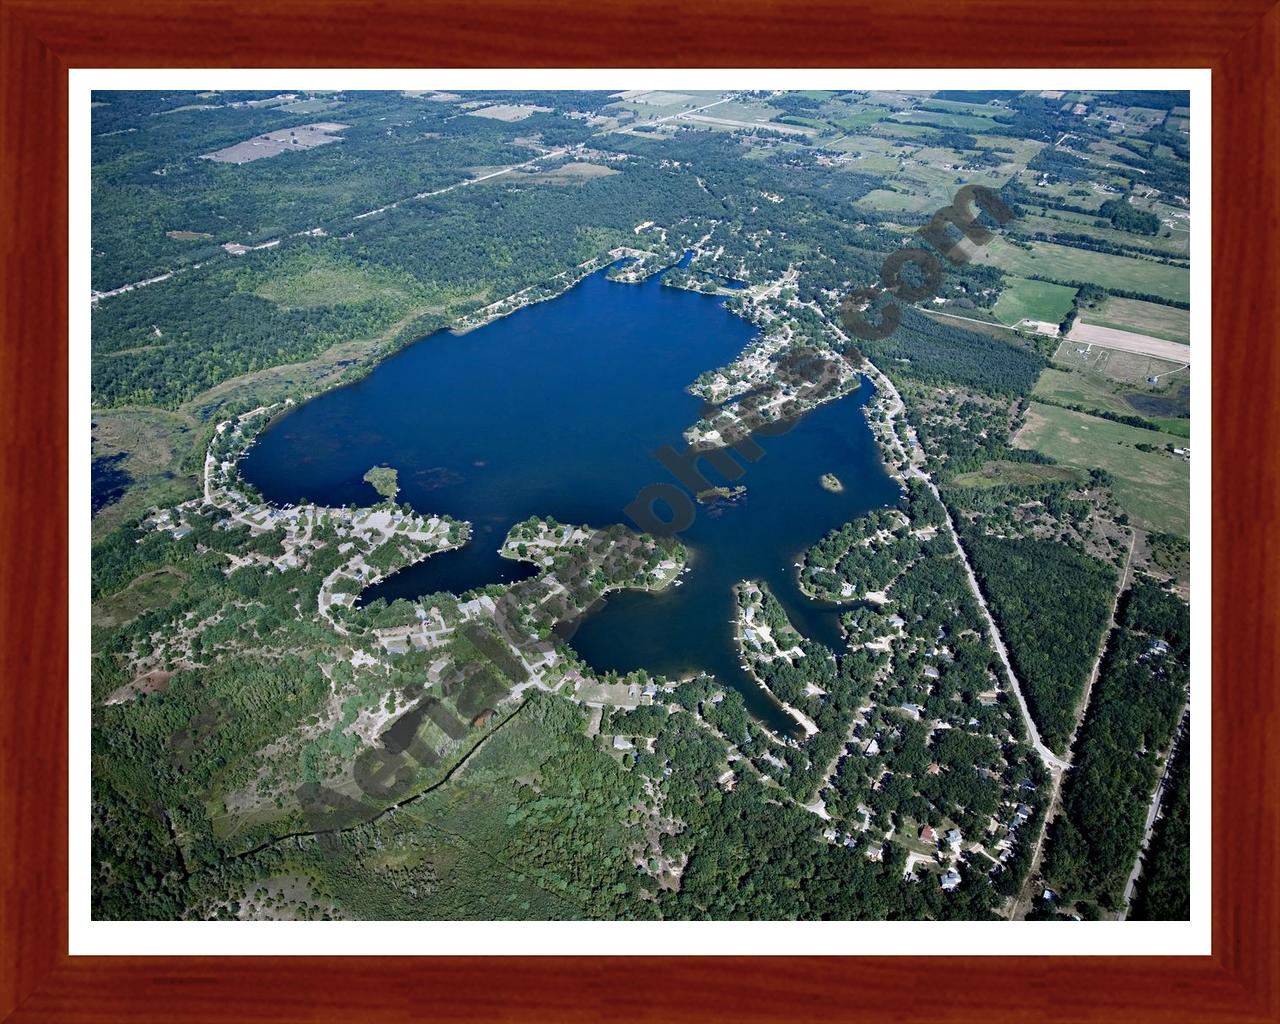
(639,505)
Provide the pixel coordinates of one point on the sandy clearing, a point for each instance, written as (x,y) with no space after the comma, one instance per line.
(1126,341)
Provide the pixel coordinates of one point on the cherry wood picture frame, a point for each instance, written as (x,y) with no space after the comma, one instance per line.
(41,39)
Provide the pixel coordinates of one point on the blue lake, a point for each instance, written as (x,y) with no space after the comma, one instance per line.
(557,410)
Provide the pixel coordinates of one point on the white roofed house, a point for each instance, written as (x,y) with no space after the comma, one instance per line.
(950,880)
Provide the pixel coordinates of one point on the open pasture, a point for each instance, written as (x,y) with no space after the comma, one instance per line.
(1033,300)
(1153,487)
(1063,263)
(1150,318)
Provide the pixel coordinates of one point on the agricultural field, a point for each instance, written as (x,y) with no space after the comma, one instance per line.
(509,111)
(269,144)
(944,119)
(1063,263)
(1153,487)
(1058,222)
(1033,300)
(1150,318)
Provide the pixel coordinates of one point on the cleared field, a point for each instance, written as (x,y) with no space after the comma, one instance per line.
(1152,486)
(320,285)
(963,122)
(1033,300)
(187,236)
(1094,391)
(1054,222)
(858,120)
(1000,472)
(710,119)
(657,99)
(957,107)
(147,592)
(1150,318)
(869,163)
(1063,263)
(1126,341)
(509,111)
(883,199)
(311,106)
(305,136)
(1125,367)
(571,173)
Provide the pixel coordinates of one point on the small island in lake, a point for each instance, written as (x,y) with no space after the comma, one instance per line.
(831,482)
(711,495)
(385,481)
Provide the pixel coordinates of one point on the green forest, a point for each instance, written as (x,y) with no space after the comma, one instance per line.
(1133,714)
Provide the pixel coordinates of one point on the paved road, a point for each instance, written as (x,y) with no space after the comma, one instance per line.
(1127,341)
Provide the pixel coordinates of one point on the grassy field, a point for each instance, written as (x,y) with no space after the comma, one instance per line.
(1066,221)
(1171,425)
(318,284)
(1063,263)
(852,122)
(1096,391)
(962,122)
(1150,318)
(975,109)
(883,199)
(149,591)
(1033,300)
(1000,472)
(1153,487)
(1124,367)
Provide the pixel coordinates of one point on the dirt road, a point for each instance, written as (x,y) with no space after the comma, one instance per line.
(1153,814)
